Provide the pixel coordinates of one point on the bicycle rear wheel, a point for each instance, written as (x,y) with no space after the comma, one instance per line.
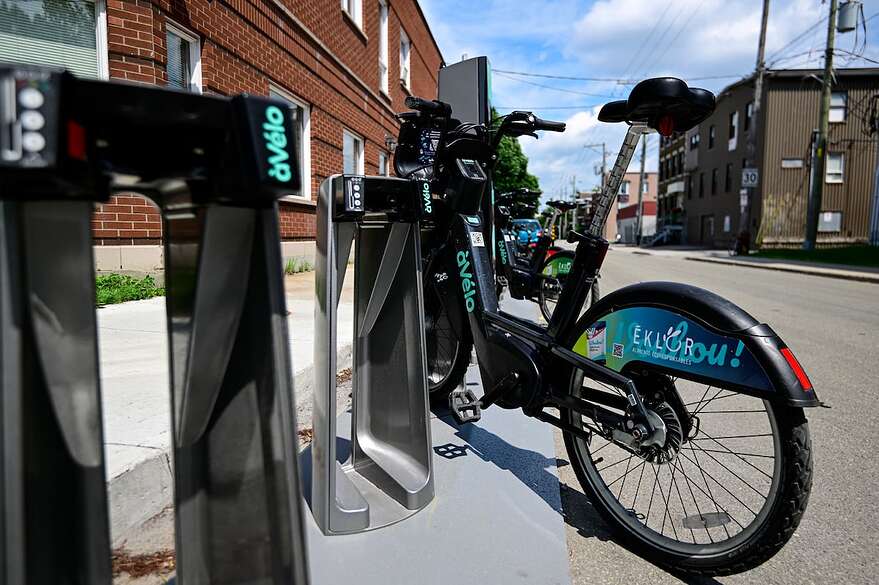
(723,493)
(448,355)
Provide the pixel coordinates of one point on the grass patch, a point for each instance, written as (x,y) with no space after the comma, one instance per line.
(848,255)
(118,288)
(295,266)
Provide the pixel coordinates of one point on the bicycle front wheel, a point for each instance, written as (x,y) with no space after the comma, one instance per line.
(721,495)
(555,271)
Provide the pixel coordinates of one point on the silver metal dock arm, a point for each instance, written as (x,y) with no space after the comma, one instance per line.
(612,185)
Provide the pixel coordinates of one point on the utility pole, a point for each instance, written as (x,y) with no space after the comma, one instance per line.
(751,147)
(603,146)
(874,130)
(574,199)
(814,208)
(642,179)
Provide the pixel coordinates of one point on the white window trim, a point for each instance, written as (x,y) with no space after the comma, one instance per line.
(833,108)
(827,178)
(407,81)
(101,39)
(383,155)
(194,51)
(358,139)
(733,142)
(384,57)
(357,19)
(305,187)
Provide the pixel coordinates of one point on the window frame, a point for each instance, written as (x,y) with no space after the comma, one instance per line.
(305,155)
(384,159)
(359,154)
(384,55)
(841,173)
(714,174)
(712,133)
(406,81)
(728,178)
(357,15)
(195,80)
(624,187)
(843,108)
(749,116)
(733,130)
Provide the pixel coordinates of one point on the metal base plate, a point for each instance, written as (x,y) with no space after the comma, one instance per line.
(496,517)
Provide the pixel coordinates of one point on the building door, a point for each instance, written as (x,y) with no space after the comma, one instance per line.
(707,232)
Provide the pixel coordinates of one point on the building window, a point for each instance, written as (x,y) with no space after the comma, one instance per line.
(624,187)
(791,163)
(733,127)
(645,185)
(405,49)
(838,104)
(834,167)
(61,33)
(383,46)
(690,186)
(300,116)
(352,153)
(749,115)
(701,185)
(354,9)
(710,137)
(183,67)
(383,164)
(714,181)
(727,180)
(694,140)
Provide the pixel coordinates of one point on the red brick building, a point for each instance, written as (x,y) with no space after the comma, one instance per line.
(345,68)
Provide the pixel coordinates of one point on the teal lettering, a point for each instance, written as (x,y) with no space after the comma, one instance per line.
(275,135)
(467,282)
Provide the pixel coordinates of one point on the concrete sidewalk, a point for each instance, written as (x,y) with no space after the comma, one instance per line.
(136,399)
(840,271)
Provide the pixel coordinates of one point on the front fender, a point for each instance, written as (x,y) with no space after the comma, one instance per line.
(695,334)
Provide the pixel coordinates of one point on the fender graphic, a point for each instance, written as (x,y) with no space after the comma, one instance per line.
(672,341)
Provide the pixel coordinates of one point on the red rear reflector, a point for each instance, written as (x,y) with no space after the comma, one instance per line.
(75,141)
(666,125)
(797,368)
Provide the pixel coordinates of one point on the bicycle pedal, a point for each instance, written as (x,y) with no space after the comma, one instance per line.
(465,406)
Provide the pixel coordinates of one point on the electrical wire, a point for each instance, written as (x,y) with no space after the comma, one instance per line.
(506,76)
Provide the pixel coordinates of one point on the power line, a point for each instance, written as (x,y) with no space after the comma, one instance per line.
(620,80)
(552,87)
(537,108)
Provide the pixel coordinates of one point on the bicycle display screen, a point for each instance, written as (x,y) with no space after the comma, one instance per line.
(427,144)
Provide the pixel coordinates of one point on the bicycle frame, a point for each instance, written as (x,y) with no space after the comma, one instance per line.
(513,353)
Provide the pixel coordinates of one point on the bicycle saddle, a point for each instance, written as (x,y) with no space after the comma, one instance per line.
(561,205)
(666,104)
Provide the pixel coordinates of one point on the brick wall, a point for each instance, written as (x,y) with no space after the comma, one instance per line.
(308,48)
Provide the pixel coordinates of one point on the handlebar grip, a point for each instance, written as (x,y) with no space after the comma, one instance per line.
(548,125)
(433,107)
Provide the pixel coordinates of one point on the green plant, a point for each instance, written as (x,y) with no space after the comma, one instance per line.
(296,265)
(118,288)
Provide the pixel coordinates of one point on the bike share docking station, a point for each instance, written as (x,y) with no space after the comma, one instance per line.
(65,144)
(388,475)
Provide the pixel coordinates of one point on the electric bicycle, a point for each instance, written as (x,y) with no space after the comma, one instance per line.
(682,415)
(538,277)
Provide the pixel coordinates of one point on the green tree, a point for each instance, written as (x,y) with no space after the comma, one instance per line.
(511,173)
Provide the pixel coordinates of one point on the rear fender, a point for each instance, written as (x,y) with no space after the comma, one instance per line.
(693,333)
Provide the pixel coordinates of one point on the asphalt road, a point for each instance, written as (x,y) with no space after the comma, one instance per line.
(833,328)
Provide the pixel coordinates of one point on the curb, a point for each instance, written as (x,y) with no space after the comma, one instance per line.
(823,272)
(139,494)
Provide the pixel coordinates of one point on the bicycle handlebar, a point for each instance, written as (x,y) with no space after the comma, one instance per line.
(432,107)
(548,125)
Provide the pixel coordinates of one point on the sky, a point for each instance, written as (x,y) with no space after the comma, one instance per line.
(708,43)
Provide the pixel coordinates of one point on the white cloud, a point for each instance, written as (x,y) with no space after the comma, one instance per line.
(685,38)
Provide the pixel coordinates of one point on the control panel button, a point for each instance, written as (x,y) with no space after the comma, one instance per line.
(353,194)
(32,120)
(30,97)
(33,141)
